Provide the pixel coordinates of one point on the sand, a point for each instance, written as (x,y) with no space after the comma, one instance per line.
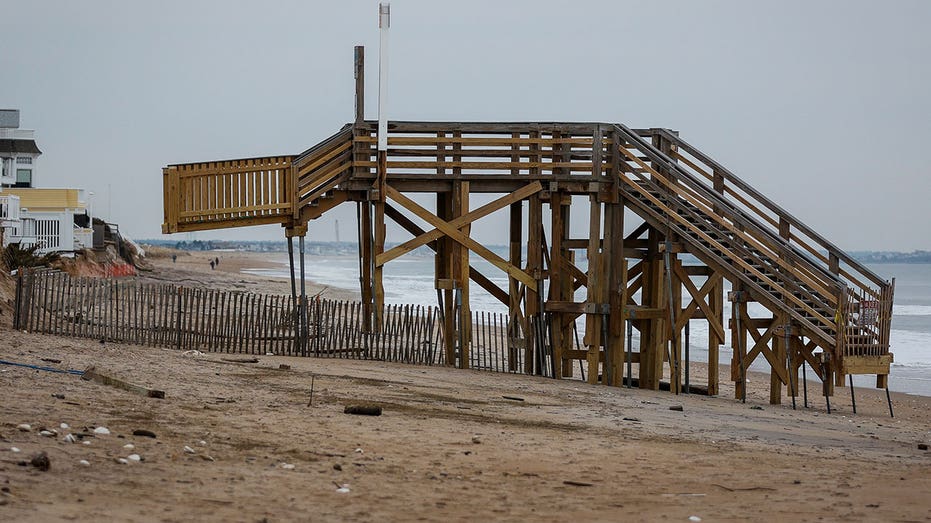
(449,445)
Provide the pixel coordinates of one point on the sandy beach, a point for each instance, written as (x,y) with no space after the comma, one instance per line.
(247,442)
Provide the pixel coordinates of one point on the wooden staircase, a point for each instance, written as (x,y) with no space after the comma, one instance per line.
(781,263)
(774,258)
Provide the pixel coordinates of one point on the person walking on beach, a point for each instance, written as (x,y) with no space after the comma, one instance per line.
(211,265)
(217,261)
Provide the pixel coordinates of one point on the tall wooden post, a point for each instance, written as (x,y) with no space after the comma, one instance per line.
(461,273)
(535,268)
(739,325)
(559,280)
(779,351)
(516,325)
(445,283)
(716,304)
(596,286)
(653,329)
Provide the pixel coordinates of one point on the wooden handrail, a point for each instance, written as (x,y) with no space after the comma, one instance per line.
(779,211)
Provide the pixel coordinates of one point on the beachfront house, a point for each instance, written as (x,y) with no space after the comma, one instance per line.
(57,220)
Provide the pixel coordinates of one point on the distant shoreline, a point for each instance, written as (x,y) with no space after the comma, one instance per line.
(329,248)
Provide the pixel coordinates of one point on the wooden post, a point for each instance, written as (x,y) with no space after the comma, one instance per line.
(461,274)
(444,278)
(716,304)
(653,331)
(516,327)
(535,268)
(779,351)
(595,288)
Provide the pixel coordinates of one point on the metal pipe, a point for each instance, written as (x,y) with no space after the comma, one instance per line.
(303,304)
(384,23)
(853,398)
(889,401)
(294,312)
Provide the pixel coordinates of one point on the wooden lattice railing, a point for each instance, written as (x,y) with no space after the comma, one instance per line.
(233,193)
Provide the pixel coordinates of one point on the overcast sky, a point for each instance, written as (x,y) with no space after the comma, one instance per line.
(823,106)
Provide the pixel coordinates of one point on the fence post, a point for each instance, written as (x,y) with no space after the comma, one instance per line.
(18,305)
(180,302)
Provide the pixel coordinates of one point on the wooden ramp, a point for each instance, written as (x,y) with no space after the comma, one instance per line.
(826,310)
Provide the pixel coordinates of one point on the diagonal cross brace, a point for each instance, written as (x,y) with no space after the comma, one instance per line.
(459,222)
(448,229)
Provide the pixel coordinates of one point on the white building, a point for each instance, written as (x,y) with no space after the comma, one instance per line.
(55,219)
(18,151)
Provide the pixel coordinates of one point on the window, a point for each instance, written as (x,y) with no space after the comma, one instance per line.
(23,177)
(24,160)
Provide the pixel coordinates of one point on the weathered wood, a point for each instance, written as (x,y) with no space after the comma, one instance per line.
(92,374)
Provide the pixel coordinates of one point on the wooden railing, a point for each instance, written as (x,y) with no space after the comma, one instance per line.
(233,193)
(428,151)
(864,287)
(321,168)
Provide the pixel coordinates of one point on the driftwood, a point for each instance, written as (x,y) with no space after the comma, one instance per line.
(91,374)
(363,410)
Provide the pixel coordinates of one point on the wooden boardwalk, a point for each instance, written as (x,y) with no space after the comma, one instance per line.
(651,198)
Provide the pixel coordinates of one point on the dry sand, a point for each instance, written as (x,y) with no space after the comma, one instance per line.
(449,445)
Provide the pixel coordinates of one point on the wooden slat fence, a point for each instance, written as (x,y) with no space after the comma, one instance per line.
(210,320)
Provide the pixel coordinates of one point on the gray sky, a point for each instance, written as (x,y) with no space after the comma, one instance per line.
(823,106)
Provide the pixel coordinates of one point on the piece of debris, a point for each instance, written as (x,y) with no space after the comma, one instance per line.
(756,407)
(85,463)
(342,489)
(207,457)
(70,438)
(284,367)
(47,433)
(632,419)
(202,443)
(287,466)
(337,466)
(14,450)
(189,450)
(24,427)
(51,360)
(694,518)
(134,457)
(41,461)
(513,398)
(129,446)
(103,431)
(57,395)
(363,410)
(359,451)
(192,354)
(476,439)
(677,408)
(240,360)
(269,353)
(922,446)
(91,374)
(64,426)
(122,461)
(577,483)
(144,432)
(86,442)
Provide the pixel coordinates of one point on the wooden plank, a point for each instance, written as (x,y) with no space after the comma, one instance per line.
(460,238)
(92,374)
(459,222)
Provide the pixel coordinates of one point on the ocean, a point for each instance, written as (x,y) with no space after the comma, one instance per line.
(409,280)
